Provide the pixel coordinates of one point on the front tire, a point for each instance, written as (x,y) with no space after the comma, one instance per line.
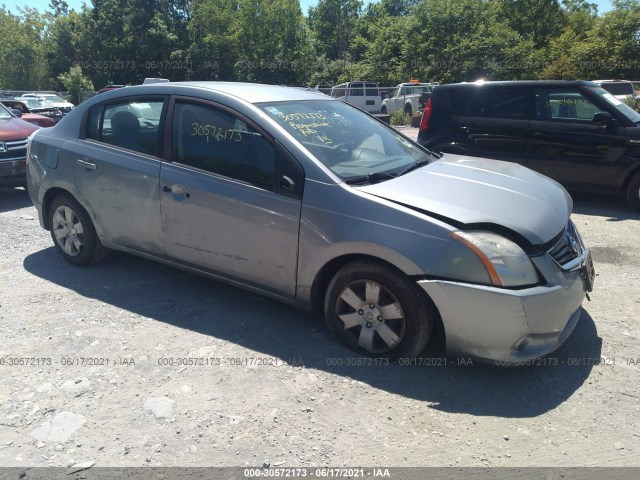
(378,311)
(408,110)
(633,192)
(73,232)
(383,110)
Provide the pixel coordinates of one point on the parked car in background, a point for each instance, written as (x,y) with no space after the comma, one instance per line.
(572,131)
(311,201)
(42,107)
(152,80)
(13,148)
(52,99)
(109,87)
(20,110)
(621,89)
(363,95)
(326,89)
(407,97)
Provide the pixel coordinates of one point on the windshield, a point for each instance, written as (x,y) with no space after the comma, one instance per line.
(345,139)
(54,99)
(622,107)
(4,113)
(35,103)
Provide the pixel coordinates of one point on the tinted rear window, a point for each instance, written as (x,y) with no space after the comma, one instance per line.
(500,103)
(618,88)
(460,100)
(372,90)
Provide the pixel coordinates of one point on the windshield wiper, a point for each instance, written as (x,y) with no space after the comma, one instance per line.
(418,164)
(374,177)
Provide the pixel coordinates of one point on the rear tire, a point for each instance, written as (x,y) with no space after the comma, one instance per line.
(633,192)
(383,110)
(408,110)
(378,311)
(73,233)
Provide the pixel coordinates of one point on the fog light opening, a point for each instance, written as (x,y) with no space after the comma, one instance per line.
(521,344)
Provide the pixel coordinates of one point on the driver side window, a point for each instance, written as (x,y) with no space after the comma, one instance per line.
(567,106)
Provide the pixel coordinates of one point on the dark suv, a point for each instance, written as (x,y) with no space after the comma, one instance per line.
(572,131)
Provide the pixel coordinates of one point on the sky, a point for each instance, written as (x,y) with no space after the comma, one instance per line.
(603,5)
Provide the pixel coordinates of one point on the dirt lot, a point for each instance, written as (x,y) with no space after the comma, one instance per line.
(91,370)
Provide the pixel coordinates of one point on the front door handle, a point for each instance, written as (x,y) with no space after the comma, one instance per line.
(177,192)
(87,165)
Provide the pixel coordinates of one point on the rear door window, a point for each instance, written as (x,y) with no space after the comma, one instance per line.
(372,90)
(511,103)
(356,90)
(133,124)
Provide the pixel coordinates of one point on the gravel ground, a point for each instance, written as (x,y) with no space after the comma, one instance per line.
(92,370)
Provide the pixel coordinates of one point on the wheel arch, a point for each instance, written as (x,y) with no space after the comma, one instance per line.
(48,198)
(329,270)
(630,176)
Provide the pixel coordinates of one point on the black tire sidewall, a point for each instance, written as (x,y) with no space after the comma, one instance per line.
(90,237)
(633,192)
(418,312)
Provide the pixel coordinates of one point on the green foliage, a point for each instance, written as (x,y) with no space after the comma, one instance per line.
(212,50)
(23,64)
(274,51)
(399,118)
(75,82)
(534,20)
(333,23)
(270,41)
(633,103)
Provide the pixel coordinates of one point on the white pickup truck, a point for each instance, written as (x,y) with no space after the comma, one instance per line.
(406,97)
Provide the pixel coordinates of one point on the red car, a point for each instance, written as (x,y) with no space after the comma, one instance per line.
(108,88)
(25,114)
(13,148)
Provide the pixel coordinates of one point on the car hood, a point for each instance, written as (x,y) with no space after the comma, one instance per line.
(15,129)
(471,191)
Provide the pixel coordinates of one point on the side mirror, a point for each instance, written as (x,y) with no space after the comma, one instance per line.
(603,118)
(16,112)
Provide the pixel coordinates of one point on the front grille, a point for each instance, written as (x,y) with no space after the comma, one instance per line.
(15,149)
(569,251)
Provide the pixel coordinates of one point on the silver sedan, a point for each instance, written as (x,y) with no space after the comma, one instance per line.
(310,201)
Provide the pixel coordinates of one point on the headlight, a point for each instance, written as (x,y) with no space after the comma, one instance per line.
(506,263)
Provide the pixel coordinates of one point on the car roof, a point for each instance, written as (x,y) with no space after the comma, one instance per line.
(521,83)
(249,92)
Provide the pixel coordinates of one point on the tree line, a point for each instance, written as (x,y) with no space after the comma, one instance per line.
(272,41)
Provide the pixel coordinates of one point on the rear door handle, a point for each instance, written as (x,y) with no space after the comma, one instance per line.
(87,165)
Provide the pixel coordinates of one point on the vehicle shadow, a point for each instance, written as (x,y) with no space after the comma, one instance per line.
(13,199)
(615,207)
(271,328)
